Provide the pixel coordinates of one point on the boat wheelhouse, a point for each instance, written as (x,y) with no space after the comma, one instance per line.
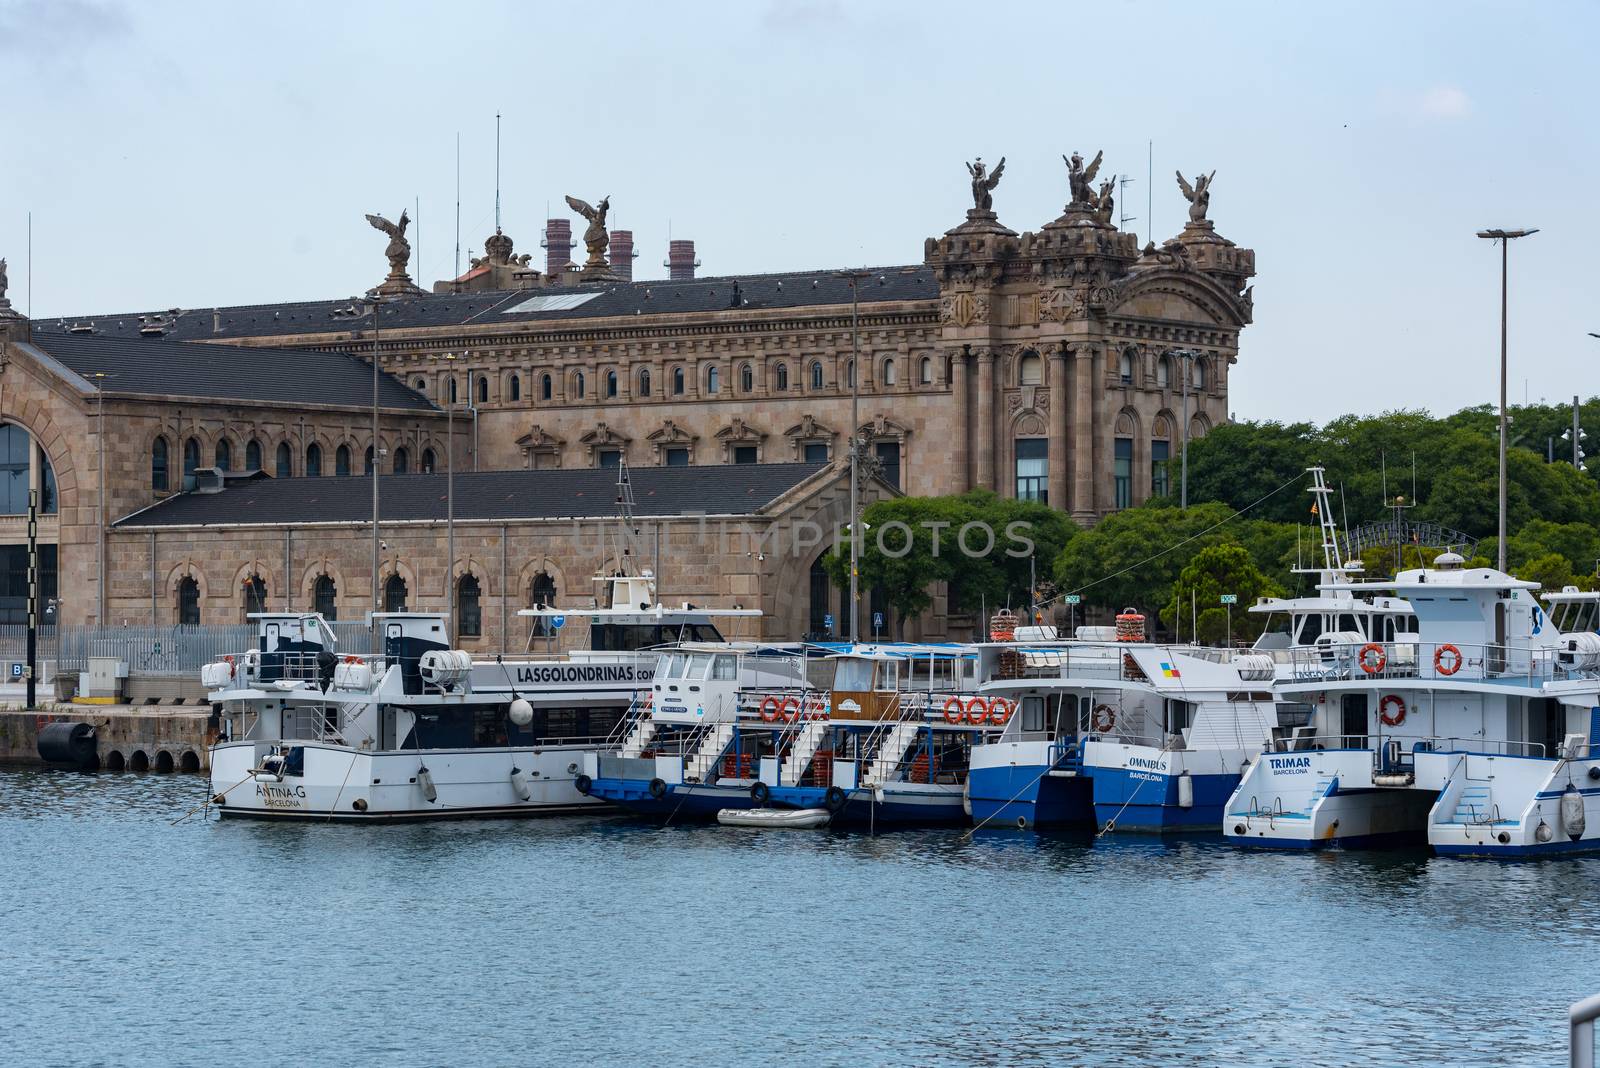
(1478,738)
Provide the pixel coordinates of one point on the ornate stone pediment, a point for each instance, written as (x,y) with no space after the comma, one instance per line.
(741,432)
(539,438)
(809,429)
(670,433)
(882,428)
(603,436)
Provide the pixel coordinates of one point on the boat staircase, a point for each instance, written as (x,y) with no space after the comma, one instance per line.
(1475,806)
(639,739)
(714,743)
(801,752)
(891,751)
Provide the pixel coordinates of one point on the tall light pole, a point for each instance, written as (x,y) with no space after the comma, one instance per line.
(1184,369)
(854,278)
(450,487)
(1505,237)
(100,436)
(376,458)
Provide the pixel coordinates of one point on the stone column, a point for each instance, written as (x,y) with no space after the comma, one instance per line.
(960,389)
(1083,504)
(1057,422)
(984,438)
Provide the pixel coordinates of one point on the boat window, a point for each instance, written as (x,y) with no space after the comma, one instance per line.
(1310,628)
(853,673)
(1033,714)
(673,668)
(889,677)
(725,669)
(1348,622)
(699,666)
(1179,715)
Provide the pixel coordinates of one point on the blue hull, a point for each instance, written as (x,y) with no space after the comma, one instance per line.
(678,803)
(1024,796)
(1148,801)
(1520,852)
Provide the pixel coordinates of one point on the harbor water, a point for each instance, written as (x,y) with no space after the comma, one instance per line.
(600,941)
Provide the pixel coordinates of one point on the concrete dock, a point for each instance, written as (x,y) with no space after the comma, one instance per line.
(159,738)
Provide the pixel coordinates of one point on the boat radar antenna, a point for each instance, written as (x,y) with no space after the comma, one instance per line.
(1333,561)
(628,527)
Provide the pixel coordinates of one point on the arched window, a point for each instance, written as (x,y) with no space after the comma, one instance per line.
(1030,370)
(578,384)
(1164,372)
(541,594)
(191,456)
(469,607)
(324,597)
(252,456)
(429,461)
(47,483)
(188,601)
(1199,375)
(255,595)
(1125,367)
(402,461)
(284,462)
(747,379)
(816,374)
(367,469)
(644,382)
(713,379)
(545,387)
(341,460)
(1160,458)
(516,388)
(782,375)
(17,453)
(224,454)
(422,385)
(158,464)
(611,383)
(483,389)
(888,373)
(451,389)
(394,594)
(313,459)
(925,371)
(1033,469)
(1122,473)
(677,381)
(821,601)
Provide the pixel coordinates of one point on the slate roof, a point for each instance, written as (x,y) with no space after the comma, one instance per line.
(586,493)
(796,289)
(165,368)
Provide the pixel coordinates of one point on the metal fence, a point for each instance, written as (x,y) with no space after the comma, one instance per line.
(153,651)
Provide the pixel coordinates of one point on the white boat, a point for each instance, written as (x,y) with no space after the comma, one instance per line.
(777,818)
(1480,737)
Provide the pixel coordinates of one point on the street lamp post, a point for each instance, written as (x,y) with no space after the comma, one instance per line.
(855,277)
(1505,237)
(100,443)
(450,486)
(376,458)
(1184,369)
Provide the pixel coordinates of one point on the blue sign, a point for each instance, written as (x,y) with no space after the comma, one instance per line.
(557,622)
(16,671)
(827,622)
(877,621)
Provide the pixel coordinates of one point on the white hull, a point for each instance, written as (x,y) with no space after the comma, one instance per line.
(777,818)
(346,784)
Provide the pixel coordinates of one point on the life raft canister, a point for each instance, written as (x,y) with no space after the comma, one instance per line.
(1130,625)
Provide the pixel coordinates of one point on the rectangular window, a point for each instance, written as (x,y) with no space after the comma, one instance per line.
(678,457)
(610,457)
(744,454)
(888,453)
(1122,473)
(14,582)
(816,453)
(1033,469)
(1160,468)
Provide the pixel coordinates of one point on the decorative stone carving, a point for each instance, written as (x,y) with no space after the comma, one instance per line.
(595,237)
(1080,180)
(1198,195)
(983,183)
(1030,425)
(965,308)
(398,251)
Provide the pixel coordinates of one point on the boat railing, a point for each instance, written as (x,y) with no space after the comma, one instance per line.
(1398,751)
(1431,661)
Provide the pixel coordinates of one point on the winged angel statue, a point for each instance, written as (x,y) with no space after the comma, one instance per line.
(983,183)
(595,237)
(399,249)
(1081,178)
(1198,195)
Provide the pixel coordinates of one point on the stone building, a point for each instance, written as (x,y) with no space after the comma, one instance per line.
(1063,364)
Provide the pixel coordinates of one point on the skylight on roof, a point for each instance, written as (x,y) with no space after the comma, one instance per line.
(553,302)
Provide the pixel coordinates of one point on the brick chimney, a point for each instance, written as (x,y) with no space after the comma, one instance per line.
(680,259)
(622,254)
(557,247)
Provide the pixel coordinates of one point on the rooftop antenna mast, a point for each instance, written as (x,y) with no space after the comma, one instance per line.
(457,274)
(1122,203)
(1322,508)
(497,172)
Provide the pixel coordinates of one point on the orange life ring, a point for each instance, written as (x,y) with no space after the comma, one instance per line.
(770,709)
(977,711)
(1105,719)
(1438,659)
(352,659)
(1399,705)
(1000,712)
(232,670)
(1372,658)
(789,710)
(952,710)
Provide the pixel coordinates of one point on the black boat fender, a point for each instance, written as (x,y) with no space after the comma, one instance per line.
(583,784)
(658,788)
(760,793)
(835,799)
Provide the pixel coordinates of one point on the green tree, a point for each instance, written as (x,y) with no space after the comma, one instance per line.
(1214,571)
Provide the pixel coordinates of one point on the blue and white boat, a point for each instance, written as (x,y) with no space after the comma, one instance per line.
(1149,738)
(1478,738)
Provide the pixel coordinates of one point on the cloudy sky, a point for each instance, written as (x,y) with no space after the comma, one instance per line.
(190,155)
